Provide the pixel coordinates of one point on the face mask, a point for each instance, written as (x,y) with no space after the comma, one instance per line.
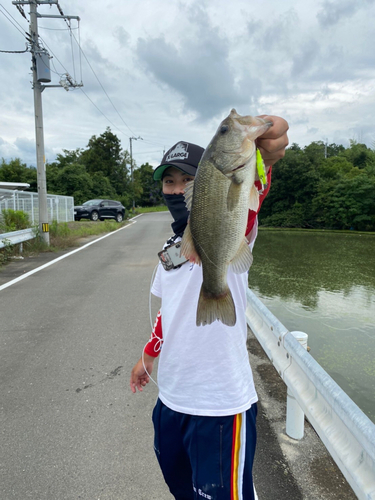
(180,214)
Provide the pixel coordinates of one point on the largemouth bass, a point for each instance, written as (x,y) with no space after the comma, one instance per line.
(219,199)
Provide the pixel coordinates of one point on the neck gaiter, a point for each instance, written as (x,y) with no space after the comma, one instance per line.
(180,214)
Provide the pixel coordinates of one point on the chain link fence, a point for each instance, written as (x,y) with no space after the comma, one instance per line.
(60,208)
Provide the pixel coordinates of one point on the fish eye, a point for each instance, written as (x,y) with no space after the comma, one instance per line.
(224,129)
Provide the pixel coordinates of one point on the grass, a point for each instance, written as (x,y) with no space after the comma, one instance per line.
(63,235)
(68,234)
(146,210)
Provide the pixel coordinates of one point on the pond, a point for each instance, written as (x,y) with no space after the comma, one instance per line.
(323,283)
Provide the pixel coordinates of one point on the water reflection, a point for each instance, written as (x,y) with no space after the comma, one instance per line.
(324,284)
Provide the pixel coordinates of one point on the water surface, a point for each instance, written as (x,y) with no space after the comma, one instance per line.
(323,283)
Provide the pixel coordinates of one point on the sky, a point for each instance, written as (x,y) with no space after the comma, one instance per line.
(164,71)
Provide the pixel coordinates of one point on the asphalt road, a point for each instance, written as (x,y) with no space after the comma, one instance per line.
(69,335)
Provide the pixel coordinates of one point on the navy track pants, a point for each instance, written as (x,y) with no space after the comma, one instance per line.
(206,457)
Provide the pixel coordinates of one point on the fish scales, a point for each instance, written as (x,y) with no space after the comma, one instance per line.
(222,194)
(217,233)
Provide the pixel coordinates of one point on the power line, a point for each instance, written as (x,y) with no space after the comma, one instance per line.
(148,152)
(14,51)
(56,29)
(23,33)
(44,43)
(114,107)
(100,111)
(92,102)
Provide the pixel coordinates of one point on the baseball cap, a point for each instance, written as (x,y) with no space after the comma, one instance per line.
(183,155)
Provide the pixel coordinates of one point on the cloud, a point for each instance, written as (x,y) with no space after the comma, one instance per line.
(26,146)
(333,11)
(173,70)
(122,36)
(198,67)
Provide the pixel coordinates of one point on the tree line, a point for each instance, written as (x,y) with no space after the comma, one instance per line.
(319,186)
(101,170)
(322,187)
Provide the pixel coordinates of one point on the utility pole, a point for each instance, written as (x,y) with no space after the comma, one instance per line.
(131,164)
(39,134)
(41,73)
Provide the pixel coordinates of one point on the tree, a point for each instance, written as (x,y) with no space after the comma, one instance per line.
(103,154)
(294,185)
(359,154)
(73,180)
(16,171)
(148,190)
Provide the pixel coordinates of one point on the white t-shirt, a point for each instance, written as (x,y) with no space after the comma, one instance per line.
(203,370)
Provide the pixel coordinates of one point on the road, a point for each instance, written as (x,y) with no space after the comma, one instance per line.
(69,335)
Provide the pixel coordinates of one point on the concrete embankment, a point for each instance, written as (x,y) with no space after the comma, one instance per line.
(286,469)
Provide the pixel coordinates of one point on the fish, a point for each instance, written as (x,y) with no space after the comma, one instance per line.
(218,200)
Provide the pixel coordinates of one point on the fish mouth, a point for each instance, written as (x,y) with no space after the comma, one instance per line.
(238,168)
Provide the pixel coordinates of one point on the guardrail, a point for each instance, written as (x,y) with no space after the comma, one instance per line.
(16,237)
(347,433)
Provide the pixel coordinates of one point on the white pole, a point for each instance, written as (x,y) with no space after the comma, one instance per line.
(295,418)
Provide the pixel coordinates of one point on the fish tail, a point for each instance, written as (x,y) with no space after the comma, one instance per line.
(212,307)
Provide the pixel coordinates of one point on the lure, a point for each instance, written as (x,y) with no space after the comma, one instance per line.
(261,169)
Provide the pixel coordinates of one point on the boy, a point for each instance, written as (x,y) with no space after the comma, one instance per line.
(205,416)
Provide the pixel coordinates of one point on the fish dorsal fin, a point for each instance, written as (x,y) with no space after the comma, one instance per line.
(233,196)
(188,194)
(243,259)
(254,199)
(188,248)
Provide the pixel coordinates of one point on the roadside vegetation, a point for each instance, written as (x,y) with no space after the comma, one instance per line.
(63,235)
(145,210)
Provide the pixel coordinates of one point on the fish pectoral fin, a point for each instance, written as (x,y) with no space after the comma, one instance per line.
(211,308)
(233,196)
(188,248)
(188,194)
(243,259)
(254,199)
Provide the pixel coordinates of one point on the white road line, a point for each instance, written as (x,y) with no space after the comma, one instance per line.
(136,217)
(26,275)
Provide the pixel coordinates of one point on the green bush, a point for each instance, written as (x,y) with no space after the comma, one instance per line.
(14,220)
(59,229)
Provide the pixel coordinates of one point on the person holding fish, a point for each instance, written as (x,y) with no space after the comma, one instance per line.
(205,416)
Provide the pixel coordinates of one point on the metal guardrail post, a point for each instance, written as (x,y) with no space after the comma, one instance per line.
(295,417)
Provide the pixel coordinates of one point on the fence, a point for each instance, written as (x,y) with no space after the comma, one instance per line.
(60,208)
(347,433)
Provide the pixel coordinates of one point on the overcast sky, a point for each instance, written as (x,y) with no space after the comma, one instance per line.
(172,70)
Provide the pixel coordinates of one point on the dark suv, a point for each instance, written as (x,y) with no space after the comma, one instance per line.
(100,209)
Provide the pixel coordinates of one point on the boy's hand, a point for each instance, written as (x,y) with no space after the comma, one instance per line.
(272,144)
(139,377)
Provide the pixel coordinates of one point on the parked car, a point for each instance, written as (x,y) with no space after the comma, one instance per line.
(100,209)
